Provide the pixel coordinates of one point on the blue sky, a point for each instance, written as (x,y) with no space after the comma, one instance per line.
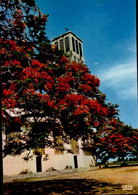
(108,31)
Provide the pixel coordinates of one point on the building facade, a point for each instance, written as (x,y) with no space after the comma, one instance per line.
(49,159)
(71,45)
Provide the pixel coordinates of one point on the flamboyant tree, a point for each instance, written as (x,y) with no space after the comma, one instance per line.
(121,142)
(42,88)
(22,43)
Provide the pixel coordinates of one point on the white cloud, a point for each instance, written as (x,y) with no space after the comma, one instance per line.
(95,63)
(131,50)
(122,78)
(127,93)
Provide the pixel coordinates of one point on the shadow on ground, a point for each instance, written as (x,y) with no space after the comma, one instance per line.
(66,186)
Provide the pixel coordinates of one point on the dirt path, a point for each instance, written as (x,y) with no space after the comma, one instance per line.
(98,181)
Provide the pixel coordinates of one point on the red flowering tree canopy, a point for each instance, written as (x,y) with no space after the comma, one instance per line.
(121,142)
(62,97)
(43,88)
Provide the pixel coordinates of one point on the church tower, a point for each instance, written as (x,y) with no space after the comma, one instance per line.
(71,45)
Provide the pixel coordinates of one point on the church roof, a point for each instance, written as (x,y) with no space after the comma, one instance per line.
(69,32)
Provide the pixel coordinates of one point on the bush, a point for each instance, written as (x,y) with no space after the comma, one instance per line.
(51,169)
(26,171)
(68,167)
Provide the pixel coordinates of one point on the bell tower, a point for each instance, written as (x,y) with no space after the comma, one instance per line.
(71,45)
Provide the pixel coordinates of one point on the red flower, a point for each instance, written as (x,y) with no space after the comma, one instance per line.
(17,120)
(85,88)
(104,111)
(114,150)
(96,123)
(64,60)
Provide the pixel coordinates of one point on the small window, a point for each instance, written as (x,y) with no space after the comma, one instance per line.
(67,44)
(73,43)
(80,49)
(61,45)
(77,49)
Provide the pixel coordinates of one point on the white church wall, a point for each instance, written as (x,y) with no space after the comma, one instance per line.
(15,165)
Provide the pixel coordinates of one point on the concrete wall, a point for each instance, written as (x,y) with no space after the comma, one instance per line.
(13,165)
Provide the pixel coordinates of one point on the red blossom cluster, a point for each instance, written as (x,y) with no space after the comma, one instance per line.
(104,111)
(37,64)
(34,73)
(39,74)
(9,97)
(113,122)
(77,68)
(81,105)
(38,98)
(12,63)
(96,123)
(10,47)
(117,142)
(85,88)
(18,20)
(17,120)
(91,79)
(64,60)
(63,84)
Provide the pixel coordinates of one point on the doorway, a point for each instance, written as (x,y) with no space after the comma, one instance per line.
(75,162)
(38,164)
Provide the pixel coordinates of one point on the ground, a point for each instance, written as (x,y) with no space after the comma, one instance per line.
(118,180)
